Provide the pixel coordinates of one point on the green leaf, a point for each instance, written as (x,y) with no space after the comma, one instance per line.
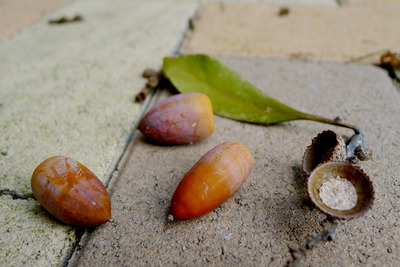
(232,96)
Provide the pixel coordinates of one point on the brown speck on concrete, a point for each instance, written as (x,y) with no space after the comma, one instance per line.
(283,11)
(64,20)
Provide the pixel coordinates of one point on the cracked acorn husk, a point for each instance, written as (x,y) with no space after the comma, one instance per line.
(326,146)
(345,170)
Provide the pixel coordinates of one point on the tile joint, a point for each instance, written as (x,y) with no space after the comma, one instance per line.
(15,195)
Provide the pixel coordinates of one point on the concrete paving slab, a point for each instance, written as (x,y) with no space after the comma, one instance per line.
(271,211)
(17,15)
(318,33)
(375,3)
(69,89)
(281,2)
(29,237)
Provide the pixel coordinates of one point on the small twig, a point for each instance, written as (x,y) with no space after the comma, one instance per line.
(329,234)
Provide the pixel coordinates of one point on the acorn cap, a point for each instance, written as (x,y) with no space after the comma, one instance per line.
(326,146)
(341,171)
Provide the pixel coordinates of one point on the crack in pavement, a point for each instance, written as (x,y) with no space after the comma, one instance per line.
(15,195)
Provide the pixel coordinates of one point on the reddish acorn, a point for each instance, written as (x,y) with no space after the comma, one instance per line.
(179,119)
(71,192)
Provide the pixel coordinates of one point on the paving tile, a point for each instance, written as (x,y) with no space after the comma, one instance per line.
(281,2)
(17,15)
(375,3)
(69,89)
(305,33)
(270,213)
(29,237)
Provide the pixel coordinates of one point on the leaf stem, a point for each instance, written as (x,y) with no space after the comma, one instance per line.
(311,117)
(355,149)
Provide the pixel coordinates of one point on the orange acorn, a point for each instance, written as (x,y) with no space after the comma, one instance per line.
(212,180)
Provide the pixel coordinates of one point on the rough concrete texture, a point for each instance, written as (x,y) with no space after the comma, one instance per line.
(69,89)
(30,237)
(320,33)
(281,2)
(271,212)
(375,3)
(17,15)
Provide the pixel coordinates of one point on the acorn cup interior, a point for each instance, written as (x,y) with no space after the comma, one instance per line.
(361,182)
(326,146)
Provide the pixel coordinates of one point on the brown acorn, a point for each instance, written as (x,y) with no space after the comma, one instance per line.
(340,190)
(71,192)
(326,146)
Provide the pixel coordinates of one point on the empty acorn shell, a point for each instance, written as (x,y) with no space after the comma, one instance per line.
(345,171)
(326,146)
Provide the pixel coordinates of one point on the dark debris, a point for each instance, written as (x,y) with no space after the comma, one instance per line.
(329,234)
(64,20)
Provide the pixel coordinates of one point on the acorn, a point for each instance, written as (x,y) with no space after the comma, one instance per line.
(71,192)
(340,189)
(212,180)
(179,119)
(326,146)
